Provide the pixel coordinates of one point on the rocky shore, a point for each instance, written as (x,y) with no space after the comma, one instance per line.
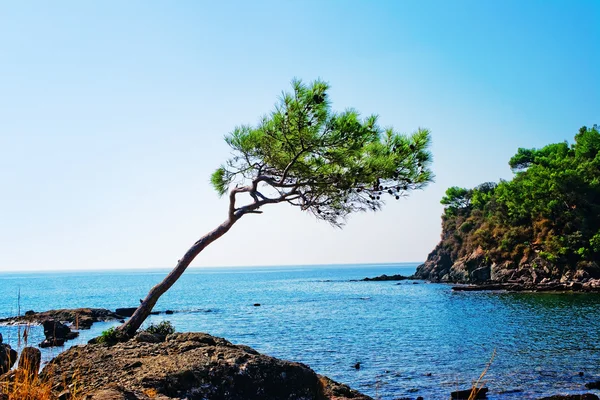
(79,318)
(535,275)
(63,325)
(184,365)
(154,366)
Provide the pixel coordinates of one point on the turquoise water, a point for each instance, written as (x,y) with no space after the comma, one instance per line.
(411,339)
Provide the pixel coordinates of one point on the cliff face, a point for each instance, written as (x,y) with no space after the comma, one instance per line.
(459,258)
(541,226)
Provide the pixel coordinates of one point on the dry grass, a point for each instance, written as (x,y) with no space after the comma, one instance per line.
(22,384)
(479,383)
(25,386)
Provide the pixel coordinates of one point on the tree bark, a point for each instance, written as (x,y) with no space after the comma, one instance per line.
(128,329)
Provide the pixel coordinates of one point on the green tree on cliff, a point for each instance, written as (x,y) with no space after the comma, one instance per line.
(550,210)
(330,164)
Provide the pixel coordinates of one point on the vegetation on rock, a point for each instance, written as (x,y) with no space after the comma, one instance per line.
(164,328)
(544,223)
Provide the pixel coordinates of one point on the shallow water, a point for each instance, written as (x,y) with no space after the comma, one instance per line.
(411,339)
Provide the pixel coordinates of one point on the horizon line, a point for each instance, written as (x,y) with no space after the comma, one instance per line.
(155,268)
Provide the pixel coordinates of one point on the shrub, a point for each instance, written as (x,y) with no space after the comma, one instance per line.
(164,328)
(109,336)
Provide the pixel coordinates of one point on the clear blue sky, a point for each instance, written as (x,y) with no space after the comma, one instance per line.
(112,116)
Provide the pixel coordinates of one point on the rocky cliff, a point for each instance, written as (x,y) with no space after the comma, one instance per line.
(541,227)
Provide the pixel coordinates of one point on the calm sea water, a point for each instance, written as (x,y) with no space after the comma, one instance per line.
(411,339)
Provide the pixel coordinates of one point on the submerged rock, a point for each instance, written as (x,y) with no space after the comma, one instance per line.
(189,365)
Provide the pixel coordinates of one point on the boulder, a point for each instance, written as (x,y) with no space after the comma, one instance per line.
(8,357)
(84,323)
(567,277)
(147,337)
(58,330)
(580,275)
(52,342)
(111,394)
(189,365)
(481,393)
(30,360)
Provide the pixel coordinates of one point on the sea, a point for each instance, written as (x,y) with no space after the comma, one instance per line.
(411,338)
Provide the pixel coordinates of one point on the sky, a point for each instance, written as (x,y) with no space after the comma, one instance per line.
(112,117)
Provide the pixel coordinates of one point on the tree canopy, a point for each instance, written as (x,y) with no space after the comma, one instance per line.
(329,164)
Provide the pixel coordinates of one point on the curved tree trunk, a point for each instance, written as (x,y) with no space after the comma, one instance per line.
(128,329)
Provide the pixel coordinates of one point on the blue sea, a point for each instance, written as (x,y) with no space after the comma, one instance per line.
(411,338)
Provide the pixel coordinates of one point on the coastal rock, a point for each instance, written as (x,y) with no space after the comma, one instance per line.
(52,342)
(437,266)
(530,274)
(481,274)
(55,329)
(113,394)
(580,275)
(8,357)
(480,393)
(189,365)
(126,311)
(385,277)
(30,360)
(79,318)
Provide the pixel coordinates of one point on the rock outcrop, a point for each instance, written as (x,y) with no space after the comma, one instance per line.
(187,365)
(30,360)
(79,318)
(475,268)
(56,333)
(385,277)
(8,357)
